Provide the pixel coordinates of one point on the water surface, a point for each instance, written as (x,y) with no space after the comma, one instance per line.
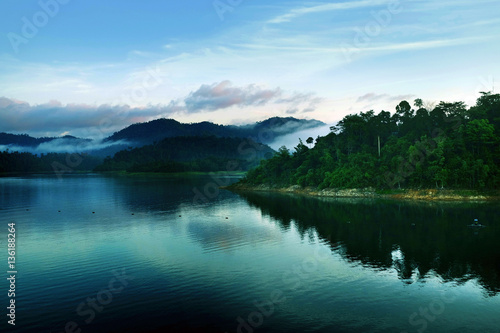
(196,258)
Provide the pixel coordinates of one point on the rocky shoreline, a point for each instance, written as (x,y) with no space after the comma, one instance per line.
(403,194)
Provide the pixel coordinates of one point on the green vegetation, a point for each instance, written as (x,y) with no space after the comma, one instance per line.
(187,154)
(450,146)
(159,129)
(13,162)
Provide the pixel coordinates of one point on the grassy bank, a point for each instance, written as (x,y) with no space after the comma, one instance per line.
(403,194)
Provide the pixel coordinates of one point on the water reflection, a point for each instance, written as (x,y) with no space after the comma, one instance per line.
(418,239)
(205,264)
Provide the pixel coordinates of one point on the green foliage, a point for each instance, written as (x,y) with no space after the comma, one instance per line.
(449,146)
(51,162)
(180,154)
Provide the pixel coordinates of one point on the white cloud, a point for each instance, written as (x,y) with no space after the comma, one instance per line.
(297,12)
(53,118)
(223,95)
(427,39)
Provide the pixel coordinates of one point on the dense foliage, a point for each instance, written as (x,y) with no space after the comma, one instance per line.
(51,162)
(449,146)
(178,154)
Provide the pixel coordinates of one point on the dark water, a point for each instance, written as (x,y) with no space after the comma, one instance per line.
(148,254)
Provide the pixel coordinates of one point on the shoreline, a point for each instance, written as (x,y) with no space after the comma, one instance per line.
(236,174)
(398,194)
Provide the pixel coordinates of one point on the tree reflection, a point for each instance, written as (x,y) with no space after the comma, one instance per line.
(418,239)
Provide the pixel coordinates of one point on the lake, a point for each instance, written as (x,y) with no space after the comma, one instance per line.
(101,253)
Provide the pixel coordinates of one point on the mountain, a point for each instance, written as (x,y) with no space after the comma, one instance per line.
(156,130)
(24,140)
(140,134)
(190,153)
(21,140)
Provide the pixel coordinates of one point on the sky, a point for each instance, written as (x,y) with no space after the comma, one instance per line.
(89,68)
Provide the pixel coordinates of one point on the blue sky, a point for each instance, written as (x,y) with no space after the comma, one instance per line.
(67,66)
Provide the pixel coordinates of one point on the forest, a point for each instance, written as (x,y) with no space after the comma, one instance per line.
(189,153)
(177,154)
(21,162)
(446,146)
(159,129)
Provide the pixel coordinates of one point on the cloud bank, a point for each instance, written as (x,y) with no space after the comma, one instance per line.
(65,145)
(55,119)
(98,121)
(223,95)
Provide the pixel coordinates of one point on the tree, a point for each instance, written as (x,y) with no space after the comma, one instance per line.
(479,133)
(418,103)
(404,109)
(283,153)
(449,146)
(310,141)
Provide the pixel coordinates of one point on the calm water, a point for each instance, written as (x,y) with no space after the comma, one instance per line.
(148,254)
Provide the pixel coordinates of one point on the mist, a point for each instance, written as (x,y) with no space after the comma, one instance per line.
(292,140)
(67,145)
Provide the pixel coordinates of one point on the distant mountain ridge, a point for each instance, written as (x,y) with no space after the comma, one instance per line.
(25,140)
(156,130)
(141,134)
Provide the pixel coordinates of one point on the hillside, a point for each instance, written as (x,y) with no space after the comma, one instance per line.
(156,130)
(207,153)
(24,140)
(141,134)
(450,146)
(17,162)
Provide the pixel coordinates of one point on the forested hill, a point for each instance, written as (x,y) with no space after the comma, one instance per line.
(179,154)
(57,163)
(449,146)
(156,130)
(24,140)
